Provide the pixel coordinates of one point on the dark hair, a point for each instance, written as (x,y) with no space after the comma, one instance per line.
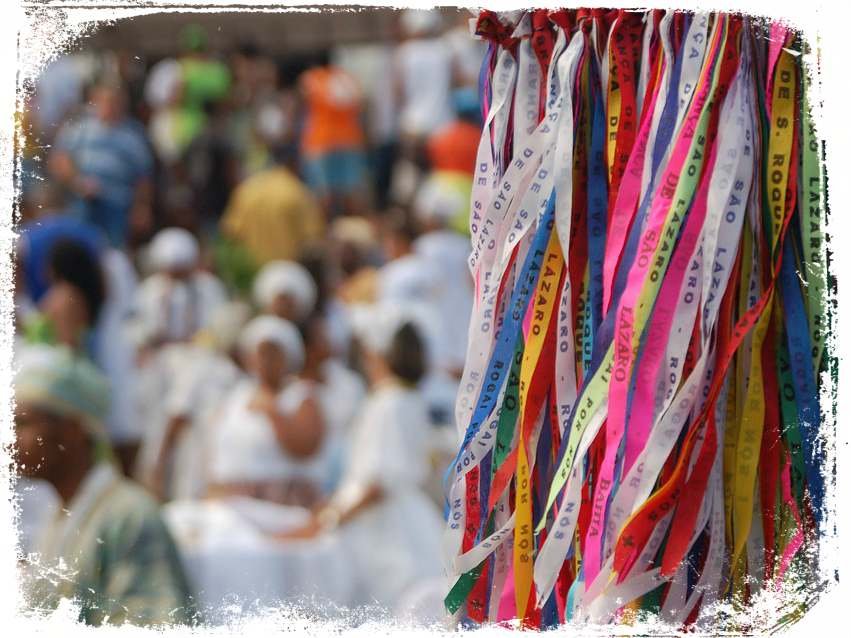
(309,327)
(248,50)
(72,262)
(406,354)
(400,222)
(321,58)
(315,262)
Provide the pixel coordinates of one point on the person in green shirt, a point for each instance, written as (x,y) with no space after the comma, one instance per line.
(205,81)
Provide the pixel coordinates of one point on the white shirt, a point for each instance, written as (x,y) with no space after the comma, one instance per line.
(388,444)
(114,351)
(173,309)
(389,449)
(425,66)
(244,447)
(183,379)
(447,251)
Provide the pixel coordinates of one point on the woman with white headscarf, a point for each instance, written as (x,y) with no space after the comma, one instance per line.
(268,442)
(289,290)
(266,462)
(380,502)
(178,299)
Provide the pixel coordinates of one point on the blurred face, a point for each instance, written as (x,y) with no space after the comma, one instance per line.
(349,257)
(108,103)
(395,245)
(374,366)
(270,364)
(285,307)
(45,443)
(64,307)
(180,273)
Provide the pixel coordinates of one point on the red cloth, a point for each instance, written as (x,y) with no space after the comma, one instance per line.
(454,147)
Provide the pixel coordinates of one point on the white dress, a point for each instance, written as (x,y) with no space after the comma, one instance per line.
(244,448)
(394,544)
(226,542)
(188,380)
(340,399)
(447,252)
(236,566)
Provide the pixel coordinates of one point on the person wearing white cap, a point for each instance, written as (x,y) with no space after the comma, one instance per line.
(107,549)
(268,440)
(380,502)
(178,299)
(285,289)
(163,88)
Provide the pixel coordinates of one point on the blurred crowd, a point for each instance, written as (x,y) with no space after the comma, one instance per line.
(241,309)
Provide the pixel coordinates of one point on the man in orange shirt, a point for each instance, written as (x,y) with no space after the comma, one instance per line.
(332,142)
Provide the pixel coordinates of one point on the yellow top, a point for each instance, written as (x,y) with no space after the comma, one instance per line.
(273,215)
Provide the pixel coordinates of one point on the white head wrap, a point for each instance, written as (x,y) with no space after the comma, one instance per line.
(173,248)
(438,200)
(280,332)
(286,278)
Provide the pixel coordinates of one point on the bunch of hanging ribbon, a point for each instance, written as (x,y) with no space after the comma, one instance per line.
(640,403)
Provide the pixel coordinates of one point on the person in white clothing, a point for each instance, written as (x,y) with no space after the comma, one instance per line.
(419,282)
(267,443)
(447,251)
(193,378)
(339,389)
(424,73)
(467,50)
(406,275)
(178,299)
(380,502)
(114,352)
(422,78)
